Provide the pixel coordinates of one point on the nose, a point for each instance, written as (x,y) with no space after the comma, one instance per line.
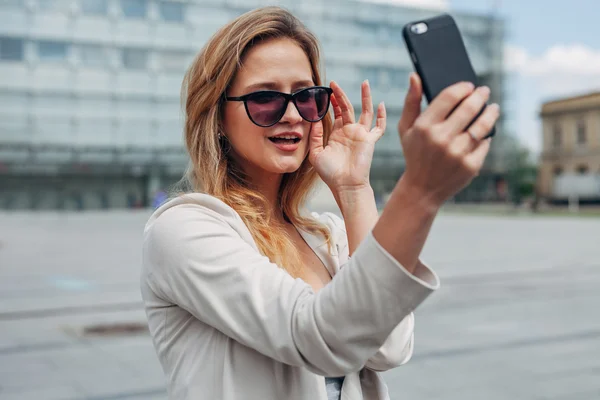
(291,116)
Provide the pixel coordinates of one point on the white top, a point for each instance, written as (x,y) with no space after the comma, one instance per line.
(228,324)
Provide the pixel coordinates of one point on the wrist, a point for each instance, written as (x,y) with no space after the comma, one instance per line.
(347,196)
(415,196)
(359,212)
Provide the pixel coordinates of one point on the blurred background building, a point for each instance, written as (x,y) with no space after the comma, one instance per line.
(90,112)
(570,161)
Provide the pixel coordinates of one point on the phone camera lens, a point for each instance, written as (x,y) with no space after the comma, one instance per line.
(419,28)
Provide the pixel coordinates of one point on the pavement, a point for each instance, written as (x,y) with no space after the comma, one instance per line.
(517,316)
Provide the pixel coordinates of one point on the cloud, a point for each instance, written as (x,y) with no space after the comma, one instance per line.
(429,4)
(561,70)
(515,58)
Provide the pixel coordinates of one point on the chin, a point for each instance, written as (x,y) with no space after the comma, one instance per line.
(287,169)
(286,166)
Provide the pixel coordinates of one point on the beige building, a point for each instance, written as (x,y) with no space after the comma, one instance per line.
(570,160)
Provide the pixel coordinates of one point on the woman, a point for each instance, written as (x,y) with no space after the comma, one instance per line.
(237,280)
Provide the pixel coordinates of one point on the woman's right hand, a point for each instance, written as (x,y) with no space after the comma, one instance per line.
(441,156)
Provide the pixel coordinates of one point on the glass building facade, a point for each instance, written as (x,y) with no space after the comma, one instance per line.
(90,113)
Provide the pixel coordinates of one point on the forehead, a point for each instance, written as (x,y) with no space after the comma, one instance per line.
(280,61)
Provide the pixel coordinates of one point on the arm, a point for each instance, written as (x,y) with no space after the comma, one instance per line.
(197,260)
(360,215)
(359,212)
(344,166)
(405,240)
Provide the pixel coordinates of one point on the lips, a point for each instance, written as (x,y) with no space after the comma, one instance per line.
(286,141)
(286,138)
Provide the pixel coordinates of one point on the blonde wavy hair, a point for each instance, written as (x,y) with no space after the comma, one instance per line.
(212,170)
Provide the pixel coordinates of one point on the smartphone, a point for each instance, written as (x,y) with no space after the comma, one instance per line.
(439,55)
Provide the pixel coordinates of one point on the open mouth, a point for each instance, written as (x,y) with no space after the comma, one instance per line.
(284,140)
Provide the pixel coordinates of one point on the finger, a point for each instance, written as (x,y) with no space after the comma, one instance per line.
(467,111)
(316,139)
(337,113)
(380,122)
(475,159)
(445,102)
(484,124)
(412,104)
(344,103)
(366,116)
(462,145)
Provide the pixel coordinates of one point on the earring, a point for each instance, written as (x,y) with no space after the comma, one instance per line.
(219,135)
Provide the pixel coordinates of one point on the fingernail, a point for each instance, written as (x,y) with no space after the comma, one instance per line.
(484,90)
(495,106)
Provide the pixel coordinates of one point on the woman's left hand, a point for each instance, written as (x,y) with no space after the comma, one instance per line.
(344,163)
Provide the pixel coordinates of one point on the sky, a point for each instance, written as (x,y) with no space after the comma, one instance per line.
(552,50)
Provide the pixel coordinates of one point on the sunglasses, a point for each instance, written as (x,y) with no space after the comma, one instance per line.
(266,107)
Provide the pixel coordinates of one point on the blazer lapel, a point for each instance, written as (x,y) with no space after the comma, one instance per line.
(319,247)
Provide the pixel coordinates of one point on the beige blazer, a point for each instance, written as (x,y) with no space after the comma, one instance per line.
(228,324)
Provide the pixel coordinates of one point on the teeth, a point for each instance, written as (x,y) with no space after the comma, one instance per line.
(285,137)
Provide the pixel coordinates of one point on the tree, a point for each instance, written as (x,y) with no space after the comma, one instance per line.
(522,176)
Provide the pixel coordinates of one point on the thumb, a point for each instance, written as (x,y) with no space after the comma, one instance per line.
(412,104)
(316,139)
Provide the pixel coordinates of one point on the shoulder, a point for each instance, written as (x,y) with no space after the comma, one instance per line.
(192,205)
(194,213)
(187,219)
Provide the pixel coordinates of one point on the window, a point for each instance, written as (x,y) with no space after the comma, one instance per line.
(11,49)
(369,32)
(582,169)
(385,78)
(53,5)
(558,171)
(93,56)
(88,106)
(13,102)
(556,135)
(135,58)
(477,43)
(52,51)
(399,78)
(134,107)
(13,3)
(171,12)
(581,134)
(94,7)
(52,104)
(173,60)
(372,74)
(134,8)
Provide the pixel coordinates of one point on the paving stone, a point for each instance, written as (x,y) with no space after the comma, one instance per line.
(45,393)
(515,317)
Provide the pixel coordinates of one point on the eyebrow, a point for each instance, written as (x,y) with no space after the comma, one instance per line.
(273,85)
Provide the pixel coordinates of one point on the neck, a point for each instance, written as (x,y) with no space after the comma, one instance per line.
(268,185)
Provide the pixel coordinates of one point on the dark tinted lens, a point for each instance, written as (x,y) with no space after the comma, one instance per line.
(265,108)
(312,103)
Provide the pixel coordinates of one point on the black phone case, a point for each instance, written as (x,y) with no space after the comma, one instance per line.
(439,56)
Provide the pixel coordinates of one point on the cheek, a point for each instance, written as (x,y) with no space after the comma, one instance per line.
(234,119)
(236,123)
(242,134)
